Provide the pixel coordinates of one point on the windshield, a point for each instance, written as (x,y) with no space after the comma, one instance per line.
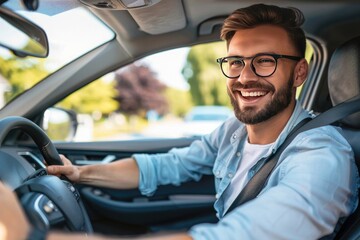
(19,74)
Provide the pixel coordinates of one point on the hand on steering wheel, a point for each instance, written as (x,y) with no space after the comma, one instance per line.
(68,170)
(48,200)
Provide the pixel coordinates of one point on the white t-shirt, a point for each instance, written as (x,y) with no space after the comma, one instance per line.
(251,155)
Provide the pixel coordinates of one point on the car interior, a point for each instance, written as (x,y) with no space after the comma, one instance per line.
(332,29)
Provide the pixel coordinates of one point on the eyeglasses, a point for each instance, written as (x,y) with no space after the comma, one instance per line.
(262,64)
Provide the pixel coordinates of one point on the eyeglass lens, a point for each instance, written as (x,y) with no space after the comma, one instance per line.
(262,65)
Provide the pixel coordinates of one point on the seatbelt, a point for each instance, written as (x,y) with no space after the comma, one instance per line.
(257,182)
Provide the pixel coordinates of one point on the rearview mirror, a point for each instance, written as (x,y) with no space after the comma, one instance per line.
(22,37)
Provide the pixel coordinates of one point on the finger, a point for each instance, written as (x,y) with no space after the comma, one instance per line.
(58,170)
(65,160)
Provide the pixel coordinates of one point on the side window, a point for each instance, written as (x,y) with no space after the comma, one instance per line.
(177,93)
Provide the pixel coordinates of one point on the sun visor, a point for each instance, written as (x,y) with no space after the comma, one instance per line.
(166,16)
(152,16)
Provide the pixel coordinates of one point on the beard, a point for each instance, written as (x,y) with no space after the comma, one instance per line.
(250,115)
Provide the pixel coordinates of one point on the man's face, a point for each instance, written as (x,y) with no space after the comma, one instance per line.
(256,99)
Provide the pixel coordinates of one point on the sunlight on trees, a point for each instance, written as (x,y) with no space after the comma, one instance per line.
(180,101)
(96,97)
(207,84)
(21,74)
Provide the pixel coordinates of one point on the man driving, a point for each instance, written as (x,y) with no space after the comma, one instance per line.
(313,185)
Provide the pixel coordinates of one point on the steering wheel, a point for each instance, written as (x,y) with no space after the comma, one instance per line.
(48,201)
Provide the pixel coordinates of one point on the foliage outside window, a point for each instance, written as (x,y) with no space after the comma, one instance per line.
(135,101)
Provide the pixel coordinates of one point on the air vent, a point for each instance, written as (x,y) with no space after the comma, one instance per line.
(34,161)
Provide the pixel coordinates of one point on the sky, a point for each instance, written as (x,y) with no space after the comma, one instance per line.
(168,66)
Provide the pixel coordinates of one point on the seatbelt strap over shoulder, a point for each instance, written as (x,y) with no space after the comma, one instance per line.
(257,182)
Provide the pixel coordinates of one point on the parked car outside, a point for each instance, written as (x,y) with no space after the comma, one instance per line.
(203,120)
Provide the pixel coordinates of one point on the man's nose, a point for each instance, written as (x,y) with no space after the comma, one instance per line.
(247,74)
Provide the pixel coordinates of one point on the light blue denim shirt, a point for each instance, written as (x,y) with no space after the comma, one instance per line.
(313,185)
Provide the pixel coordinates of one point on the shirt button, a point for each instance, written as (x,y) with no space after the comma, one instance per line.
(238,154)
(217,196)
(230,175)
(234,136)
(217,173)
(217,215)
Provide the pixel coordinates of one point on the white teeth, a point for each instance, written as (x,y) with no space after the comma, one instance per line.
(253,94)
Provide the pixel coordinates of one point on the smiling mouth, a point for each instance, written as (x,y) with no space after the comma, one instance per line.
(253,94)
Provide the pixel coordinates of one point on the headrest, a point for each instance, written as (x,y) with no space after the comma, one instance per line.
(344,76)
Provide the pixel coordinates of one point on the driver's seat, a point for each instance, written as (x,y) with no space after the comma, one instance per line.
(344,83)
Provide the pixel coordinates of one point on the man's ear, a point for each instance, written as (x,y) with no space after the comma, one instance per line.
(300,72)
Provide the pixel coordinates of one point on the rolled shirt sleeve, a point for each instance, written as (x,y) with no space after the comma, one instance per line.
(184,164)
(176,166)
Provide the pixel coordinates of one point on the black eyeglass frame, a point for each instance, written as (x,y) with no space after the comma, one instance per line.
(275,56)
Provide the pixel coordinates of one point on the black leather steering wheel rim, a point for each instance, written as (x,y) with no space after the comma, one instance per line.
(60,192)
(40,138)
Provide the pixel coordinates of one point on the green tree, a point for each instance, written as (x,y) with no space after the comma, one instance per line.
(207,84)
(22,74)
(97,96)
(179,101)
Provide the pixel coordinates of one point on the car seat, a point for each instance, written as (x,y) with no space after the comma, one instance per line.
(344,83)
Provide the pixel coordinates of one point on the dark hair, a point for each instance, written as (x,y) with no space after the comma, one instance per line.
(289,19)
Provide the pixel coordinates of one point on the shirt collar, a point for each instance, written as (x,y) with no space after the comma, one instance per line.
(298,114)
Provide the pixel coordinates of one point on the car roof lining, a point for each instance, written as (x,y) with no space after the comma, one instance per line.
(133,36)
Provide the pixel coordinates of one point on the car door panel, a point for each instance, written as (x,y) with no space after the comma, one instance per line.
(170,208)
